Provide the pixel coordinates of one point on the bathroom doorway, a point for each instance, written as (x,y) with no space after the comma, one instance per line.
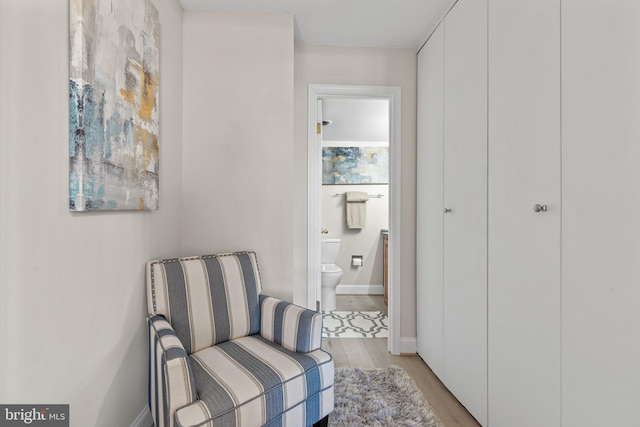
(365,120)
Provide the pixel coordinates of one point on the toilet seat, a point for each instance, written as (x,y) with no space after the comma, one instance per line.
(331,269)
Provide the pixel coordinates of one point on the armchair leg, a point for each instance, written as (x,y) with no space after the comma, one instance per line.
(323,422)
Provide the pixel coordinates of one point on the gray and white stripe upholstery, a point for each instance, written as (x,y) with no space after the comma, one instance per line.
(253,382)
(207,299)
(288,325)
(221,354)
(170,372)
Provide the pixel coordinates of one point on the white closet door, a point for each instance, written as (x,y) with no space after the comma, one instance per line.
(524,246)
(601,213)
(429,204)
(465,193)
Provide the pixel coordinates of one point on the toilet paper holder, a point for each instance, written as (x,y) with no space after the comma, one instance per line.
(357,260)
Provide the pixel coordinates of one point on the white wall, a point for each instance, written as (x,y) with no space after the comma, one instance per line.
(238,140)
(358,66)
(72,296)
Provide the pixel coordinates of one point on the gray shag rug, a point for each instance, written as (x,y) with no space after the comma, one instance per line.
(379,397)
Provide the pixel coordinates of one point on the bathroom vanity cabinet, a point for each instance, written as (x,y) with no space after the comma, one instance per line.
(385,265)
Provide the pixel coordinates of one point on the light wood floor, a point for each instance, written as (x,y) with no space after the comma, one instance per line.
(372,353)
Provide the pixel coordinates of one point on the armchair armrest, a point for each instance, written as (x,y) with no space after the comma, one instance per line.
(169,373)
(293,327)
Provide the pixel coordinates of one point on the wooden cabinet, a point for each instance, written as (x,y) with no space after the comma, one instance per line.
(430,189)
(465,199)
(524,245)
(557,282)
(455,205)
(600,213)
(385,265)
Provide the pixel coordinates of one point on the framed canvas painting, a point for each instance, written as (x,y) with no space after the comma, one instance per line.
(113,105)
(355,165)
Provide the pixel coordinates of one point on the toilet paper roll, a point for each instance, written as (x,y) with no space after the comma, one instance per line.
(356,262)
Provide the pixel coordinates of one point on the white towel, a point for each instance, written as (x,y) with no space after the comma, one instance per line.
(356,209)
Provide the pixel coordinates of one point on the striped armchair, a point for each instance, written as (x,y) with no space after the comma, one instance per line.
(222,354)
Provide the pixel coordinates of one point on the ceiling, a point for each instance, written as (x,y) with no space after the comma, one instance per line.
(355,119)
(370,23)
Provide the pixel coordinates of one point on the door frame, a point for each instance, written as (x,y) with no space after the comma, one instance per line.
(314,187)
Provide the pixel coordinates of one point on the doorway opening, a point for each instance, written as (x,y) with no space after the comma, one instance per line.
(343,106)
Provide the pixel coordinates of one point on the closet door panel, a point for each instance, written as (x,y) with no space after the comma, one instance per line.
(465,193)
(601,213)
(429,201)
(524,246)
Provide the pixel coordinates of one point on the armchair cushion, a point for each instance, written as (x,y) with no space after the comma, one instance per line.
(207,299)
(295,328)
(251,381)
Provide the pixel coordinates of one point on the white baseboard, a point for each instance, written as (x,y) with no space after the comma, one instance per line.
(143,419)
(347,289)
(408,345)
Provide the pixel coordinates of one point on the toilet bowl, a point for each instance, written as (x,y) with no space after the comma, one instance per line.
(330,274)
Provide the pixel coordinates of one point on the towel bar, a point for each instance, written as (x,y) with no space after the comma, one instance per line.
(371,196)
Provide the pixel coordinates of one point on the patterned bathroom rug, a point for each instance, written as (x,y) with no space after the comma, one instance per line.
(355,324)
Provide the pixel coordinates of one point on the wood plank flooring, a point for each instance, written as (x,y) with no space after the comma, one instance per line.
(360,303)
(372,353)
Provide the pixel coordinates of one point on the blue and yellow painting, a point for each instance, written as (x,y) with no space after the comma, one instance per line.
(113,105)
(355,165)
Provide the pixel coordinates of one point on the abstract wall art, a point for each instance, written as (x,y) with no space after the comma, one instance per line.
(355,165)
(113,105)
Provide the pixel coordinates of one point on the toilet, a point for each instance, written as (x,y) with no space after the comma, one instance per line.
(331,273)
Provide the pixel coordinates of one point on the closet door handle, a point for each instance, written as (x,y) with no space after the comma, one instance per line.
(539,208)
(447,210)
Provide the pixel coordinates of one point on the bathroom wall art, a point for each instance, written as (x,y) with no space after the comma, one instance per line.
(355,165)
(113,105)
